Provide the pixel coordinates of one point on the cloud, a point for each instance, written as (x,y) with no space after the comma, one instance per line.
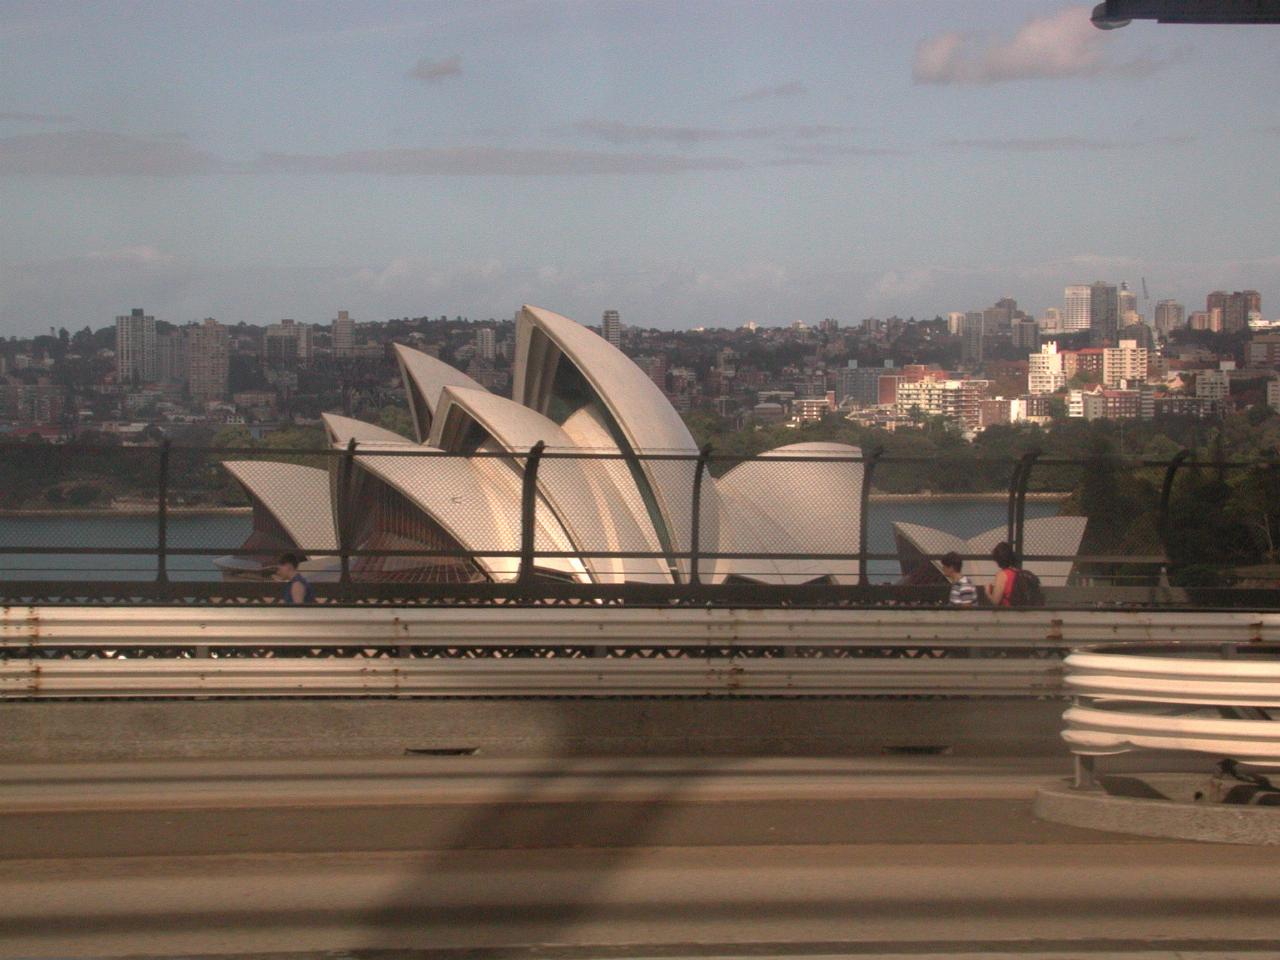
(488,161)
(37,117)
(813,150)
(1057,46)
(143,256)
(92,153)
(614,132)
(433,71)
(1062,143)
(792,88)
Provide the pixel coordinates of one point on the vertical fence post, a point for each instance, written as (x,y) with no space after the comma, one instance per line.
(162,516)
(1026,464)
(345,470)
(1011,504)
(869,461)
(695,535)
(1166,492)
(528,506)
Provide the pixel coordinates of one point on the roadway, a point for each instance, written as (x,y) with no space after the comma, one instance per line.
(478,857)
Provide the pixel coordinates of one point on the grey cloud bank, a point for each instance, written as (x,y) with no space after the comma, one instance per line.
(94,153)
(433,71)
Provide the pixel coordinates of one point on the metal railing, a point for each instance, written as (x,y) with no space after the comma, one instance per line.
(66,652)
(1131,553)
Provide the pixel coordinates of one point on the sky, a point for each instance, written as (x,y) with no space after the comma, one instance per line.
(687,163)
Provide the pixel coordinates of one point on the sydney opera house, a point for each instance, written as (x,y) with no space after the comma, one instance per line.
(453,490)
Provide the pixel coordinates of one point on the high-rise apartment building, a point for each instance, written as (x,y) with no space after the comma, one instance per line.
(344,335)
(1217,300)
(1126,299)
(1051,322)
(136,347)
(1169,316)
(955,323)
(1076,303)
(171,357)
(1044,371)
(860,386)
(208,360)
(1104,313)
(1124,364)
(611,328)
(1024,334)
(485,344)
(1234,308)
(971,339)
(287,344)
(956,400)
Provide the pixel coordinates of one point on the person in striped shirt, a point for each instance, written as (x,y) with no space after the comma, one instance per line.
(963,592)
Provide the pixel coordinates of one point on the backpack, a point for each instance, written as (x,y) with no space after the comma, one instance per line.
(1026,590)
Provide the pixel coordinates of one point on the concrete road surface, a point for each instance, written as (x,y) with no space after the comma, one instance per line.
(470,857)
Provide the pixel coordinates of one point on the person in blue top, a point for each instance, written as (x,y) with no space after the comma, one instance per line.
(297,588)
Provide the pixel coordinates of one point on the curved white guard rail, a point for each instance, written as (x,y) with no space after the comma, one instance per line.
(1183,700)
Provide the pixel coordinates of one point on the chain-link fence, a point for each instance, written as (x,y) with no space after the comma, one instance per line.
(811,522)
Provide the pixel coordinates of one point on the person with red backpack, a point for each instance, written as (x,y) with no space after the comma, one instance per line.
(1013,586)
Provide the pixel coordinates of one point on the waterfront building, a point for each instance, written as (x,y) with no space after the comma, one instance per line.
(572,391)
(955,400)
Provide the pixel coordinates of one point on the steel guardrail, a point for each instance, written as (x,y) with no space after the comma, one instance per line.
(1204,698)
(62,651)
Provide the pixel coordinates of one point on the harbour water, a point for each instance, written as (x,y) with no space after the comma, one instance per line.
(224,533)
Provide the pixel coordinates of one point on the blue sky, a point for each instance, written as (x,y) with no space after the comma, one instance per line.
(686,163)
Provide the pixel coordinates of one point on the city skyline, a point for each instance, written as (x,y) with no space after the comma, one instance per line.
(688,166)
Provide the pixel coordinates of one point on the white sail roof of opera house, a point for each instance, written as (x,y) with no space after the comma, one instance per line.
(807,506)
(643,418)
(342,430)
(595,516)
(297,497)
(475,500)
(424,377)
(1050,536)
(573,391)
